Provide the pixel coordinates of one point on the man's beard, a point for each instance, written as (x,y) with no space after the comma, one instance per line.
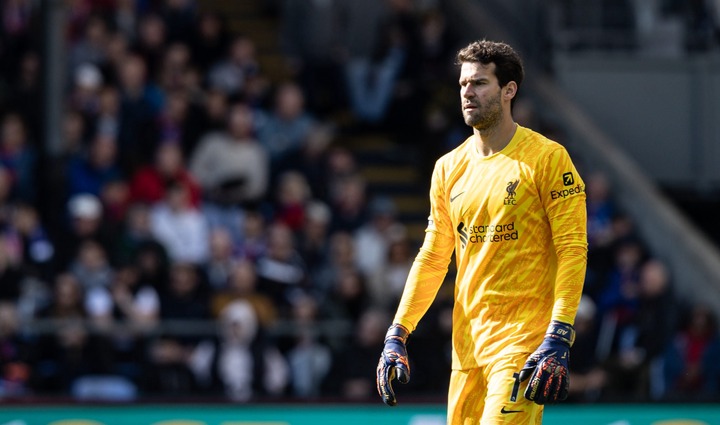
(485,117)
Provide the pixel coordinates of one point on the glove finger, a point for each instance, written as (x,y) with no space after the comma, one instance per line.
(529,367)
(385,375)
(379,376)
(527,371)
(533,392)
(564,388)
(552,385)
(403,373)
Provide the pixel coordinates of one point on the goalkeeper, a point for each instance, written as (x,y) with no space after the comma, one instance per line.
(511,205)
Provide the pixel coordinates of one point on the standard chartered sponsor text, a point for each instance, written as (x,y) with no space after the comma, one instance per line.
(492,233)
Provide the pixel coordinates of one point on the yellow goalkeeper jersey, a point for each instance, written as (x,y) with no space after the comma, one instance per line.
(517,223)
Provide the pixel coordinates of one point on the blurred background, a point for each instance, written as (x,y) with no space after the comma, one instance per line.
(219,201)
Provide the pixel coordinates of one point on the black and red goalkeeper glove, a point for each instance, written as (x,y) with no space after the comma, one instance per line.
(547,367)
(393,363)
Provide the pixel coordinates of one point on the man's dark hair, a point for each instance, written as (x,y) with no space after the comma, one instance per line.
(508,65)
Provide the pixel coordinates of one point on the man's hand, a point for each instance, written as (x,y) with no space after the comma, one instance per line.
(393,363)
(547,367)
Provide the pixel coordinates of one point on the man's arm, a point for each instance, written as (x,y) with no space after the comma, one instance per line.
(425,279)
(568,222)
(547,367)
(430,266)
(423,282)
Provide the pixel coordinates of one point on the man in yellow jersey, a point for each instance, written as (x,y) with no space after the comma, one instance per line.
(511,205)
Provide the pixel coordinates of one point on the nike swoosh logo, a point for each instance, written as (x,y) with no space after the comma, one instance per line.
(452,198)
(505,412)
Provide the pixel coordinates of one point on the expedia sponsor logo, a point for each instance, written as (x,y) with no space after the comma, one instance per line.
(568,179)
(486,233)
(564,193)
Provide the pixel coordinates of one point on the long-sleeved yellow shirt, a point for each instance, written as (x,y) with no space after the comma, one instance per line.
(517,223)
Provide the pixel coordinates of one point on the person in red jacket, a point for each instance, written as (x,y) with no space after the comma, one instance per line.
(149,183)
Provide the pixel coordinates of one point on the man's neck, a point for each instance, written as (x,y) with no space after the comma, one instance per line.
(493,140)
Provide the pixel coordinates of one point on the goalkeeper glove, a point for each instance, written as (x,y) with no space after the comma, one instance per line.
(547,367)
(393,363)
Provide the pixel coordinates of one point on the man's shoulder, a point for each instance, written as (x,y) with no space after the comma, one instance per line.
(535,143)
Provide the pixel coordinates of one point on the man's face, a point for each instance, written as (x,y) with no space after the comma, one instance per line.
(480,95)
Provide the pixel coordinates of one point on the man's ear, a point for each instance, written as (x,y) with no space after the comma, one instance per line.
(509,90)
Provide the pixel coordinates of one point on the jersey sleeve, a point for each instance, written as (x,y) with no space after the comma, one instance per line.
(431,263)
(563,195)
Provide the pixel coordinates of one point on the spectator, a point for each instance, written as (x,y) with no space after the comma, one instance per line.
(185,298)
(284,130)
(601,210)
(117,49)
(243,286)
(17,354)
(313,162)
(209,42)
(281,270)
(216,109)
(179,17)
(218,268)
(253,244)
(25,93)
(618,301)
(140,105)
(179,227)
(18,157)
(635,371)
(107,122)
(310,41)
(37,249)
(242,362)
(231,74)
(358,382)
(308,357)
(125,17)
(174,121)
(588,377)
(293,195)
(115,197)
(314,236)
(71,351)
(135,302)
(387,282)
(349,296)
(690,361)
(167,369)
(153,266)
(85,223)
(91,267)
(91,47)
(87,84)
(90,173)
(135,233)
(149,184)
(231,167)
(11,277)
(371,72)
(150,42)
(349,203)
(341,259)
(373,238)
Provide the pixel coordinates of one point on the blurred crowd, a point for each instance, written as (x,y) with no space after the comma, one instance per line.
(202,231)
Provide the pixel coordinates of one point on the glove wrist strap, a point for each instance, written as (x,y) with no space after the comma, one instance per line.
(563,332)
(397,331)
